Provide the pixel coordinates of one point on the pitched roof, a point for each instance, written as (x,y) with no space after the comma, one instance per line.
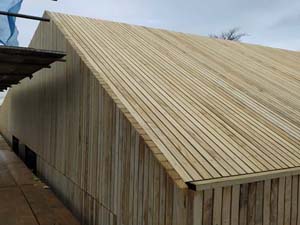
(210,108)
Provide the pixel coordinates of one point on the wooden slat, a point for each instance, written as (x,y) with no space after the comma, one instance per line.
(259,214)
(235,205)
(294,194)
(288,200)
(226,206)
(281,201)
(208,207)
(274,201)
(217,210)
(243,210)
(252,204)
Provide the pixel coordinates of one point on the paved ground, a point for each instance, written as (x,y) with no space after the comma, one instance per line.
(23,198)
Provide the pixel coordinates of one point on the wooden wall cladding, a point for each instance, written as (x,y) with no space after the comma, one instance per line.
(268,202)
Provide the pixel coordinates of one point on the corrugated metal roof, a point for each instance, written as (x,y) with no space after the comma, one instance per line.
(211,108)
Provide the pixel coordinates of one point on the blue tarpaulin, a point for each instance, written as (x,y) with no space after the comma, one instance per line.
(8,29)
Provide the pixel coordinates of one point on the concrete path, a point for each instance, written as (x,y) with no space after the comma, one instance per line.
(24,199)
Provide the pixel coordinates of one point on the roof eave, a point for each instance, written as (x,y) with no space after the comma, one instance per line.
(242,179)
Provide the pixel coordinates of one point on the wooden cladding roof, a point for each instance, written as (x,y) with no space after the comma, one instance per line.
(17,63)
(209,109)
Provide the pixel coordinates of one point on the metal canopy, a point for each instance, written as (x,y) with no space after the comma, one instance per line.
(17,63)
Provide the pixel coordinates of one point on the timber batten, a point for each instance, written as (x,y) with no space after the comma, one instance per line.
(137,115)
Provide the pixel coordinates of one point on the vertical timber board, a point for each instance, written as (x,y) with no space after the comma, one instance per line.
(281,206)
(198,208)
(294,200)
(208,207)
(235,206)
(288,200)
(298,210)
(243,204)
(259,203)
(274,202)
(251,203)
(217,206)
(226,205)
(267,202)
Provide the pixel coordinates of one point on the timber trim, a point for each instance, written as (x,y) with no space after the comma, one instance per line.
(241,179)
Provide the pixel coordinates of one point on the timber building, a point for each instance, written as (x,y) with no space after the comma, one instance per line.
(148,126)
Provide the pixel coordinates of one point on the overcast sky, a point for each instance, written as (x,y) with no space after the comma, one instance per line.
(268,22)
(273,23)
